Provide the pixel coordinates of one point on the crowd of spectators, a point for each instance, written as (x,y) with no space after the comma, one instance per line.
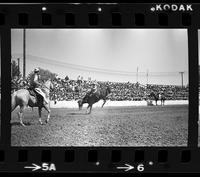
(171,92)
(67,89)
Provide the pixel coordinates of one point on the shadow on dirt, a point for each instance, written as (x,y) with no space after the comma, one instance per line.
(18,124)
(75,113)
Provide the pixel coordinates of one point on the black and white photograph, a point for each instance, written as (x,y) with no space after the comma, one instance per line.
(99,87)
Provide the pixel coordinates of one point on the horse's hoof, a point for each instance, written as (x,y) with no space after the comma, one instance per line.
(23,125)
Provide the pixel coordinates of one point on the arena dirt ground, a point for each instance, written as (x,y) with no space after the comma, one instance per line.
(110,126)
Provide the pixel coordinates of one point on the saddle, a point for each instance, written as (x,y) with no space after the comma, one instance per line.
(34,94)
(31,90)
(95,94)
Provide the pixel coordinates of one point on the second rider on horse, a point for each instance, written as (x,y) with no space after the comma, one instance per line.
(36,85)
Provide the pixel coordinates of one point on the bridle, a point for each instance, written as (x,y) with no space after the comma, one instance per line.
(48,88)
(43,85)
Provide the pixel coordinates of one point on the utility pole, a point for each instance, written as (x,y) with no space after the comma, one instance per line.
(24,54)
(18,63)
(137,76)
(147,75)
(181,78)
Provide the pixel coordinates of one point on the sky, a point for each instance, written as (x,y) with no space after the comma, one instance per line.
(107,54)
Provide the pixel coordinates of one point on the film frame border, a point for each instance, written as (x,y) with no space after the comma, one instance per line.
(100,159)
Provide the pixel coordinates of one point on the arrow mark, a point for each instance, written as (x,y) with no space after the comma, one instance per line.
(127,167)
(34,167)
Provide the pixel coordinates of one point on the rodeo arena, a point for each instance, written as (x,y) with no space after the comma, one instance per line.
(80,87)
(131,115)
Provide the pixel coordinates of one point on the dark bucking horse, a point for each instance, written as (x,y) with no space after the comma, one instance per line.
(26,97)
(158,96)
(100,94)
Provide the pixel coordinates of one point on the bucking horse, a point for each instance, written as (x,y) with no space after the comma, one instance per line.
(100,94)
(27,97)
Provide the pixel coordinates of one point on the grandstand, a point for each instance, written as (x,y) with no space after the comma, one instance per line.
(67,90)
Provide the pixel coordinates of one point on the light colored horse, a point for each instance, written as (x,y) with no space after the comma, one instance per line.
(23,99)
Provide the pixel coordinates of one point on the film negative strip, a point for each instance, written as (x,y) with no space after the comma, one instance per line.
(100,88)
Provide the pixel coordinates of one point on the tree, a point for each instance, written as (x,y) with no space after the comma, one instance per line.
(45,74)
(14,69)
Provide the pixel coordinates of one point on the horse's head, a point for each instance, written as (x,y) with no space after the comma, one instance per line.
(51,86)
(80,104)
(151,94)
(48,84)
(154,95)
(108,89)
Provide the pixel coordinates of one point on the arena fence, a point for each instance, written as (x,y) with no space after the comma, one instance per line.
(74,104)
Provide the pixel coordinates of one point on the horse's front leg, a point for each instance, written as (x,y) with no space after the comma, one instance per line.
(21,115)
(49,113)
(40,115)
(104,101)
(90,109)
(87,109)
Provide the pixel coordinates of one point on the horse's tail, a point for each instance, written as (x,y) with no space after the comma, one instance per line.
(13,101)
